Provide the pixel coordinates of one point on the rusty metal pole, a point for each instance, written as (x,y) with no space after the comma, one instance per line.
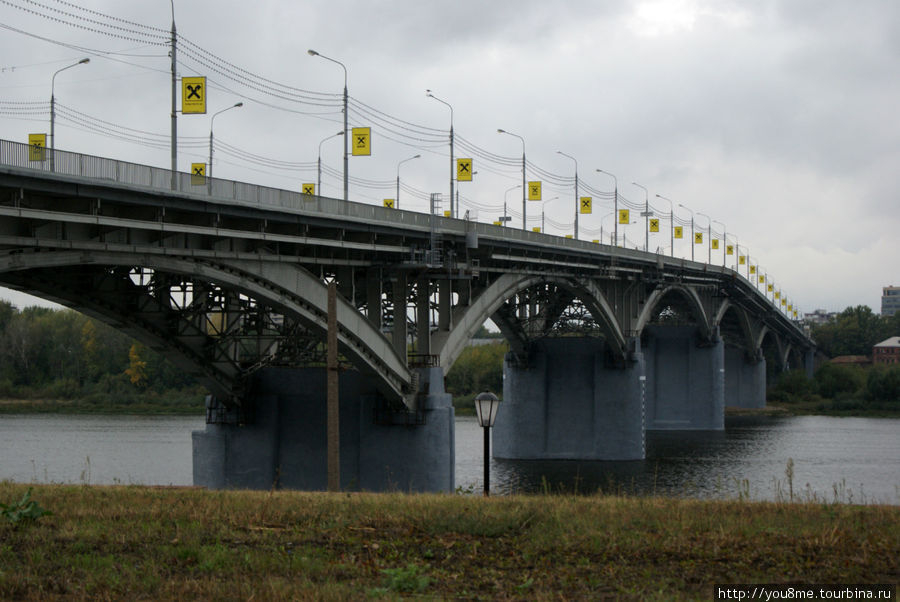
(333,434)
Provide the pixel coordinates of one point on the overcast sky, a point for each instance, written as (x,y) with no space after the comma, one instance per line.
(777,119)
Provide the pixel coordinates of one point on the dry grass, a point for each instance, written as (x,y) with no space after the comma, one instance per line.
(171,543)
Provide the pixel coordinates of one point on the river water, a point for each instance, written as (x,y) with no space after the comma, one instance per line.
(844,459)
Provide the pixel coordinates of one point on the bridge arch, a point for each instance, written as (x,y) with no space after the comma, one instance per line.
(690,295)
(490,300)
(734,323)
(287,288)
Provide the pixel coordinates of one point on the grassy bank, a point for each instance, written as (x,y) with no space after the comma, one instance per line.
(186,404)
(161,543)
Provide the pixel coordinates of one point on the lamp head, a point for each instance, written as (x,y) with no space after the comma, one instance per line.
(499,131)
(239,104)
(312,52)
(83,61)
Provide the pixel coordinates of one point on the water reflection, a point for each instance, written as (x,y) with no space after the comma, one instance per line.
(848,459)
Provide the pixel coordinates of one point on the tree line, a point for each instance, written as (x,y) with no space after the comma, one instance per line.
(60,354)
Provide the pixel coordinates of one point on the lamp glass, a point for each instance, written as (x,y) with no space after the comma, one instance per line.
(486,406)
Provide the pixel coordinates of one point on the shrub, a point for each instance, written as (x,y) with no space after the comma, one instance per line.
(791,387)
(883,385)
(833,380)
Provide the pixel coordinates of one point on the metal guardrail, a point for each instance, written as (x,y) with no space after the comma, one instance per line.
(148,178)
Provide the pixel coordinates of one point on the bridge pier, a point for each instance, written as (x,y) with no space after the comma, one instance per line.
(745,379)
(567,403)
(687,379)
(284,446)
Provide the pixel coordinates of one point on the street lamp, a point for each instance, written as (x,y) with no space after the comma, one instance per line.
(452,166)
(174,135)
(708,237)
(346,136)
(542,214)
(671,225)
(615,202)
(211,122)
(508,190)
(577,207)
(53,106)
(397,200)
(692,230)
(319,163)
(486,406)
(524,222)
(647,214)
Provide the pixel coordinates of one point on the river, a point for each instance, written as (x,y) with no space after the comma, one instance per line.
(845,459)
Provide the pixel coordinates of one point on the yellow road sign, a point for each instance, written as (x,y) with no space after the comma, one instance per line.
(752,269)
(362,142)
(679,232)
(464,170)
(624,216)
(698,238)
(742,260)
(37,144)
(584,205)
(536,229)
(534,191)
(770,287)
(729,249)
(193,95)
(715,244)
(389,203)
(198,174)
(308,188)
(654,225)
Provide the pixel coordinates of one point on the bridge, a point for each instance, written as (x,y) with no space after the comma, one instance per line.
(229,280)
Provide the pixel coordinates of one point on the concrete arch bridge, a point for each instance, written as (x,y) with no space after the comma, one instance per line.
(229,281)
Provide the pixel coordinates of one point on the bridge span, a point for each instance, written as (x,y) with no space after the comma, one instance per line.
(229,281)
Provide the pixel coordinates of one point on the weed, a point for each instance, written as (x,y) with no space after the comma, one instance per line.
(25,510)
(407,579)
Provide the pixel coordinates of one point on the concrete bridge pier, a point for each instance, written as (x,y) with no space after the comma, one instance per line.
(686,373)
(284,445)
(745,379)
(568,402)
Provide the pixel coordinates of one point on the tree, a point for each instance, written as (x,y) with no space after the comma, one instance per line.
(137,366)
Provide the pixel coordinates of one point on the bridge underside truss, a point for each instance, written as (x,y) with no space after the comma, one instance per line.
(219,336)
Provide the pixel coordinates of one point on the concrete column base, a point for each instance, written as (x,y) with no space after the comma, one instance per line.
(285,445)
(687,379)
(567,404)
(745,381)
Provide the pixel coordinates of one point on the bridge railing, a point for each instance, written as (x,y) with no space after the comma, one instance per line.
(16,154)
(65,163)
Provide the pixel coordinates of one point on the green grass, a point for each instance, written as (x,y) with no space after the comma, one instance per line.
(185,543)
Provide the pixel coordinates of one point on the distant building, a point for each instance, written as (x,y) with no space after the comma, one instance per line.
(851,360)
(890,300)
(887,352)
(820,316)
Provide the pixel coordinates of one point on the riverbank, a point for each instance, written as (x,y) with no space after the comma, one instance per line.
(186,543)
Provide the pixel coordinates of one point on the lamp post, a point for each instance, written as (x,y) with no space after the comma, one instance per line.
(452,166)
(615,202)
(601,223)
(346,136)
(692,229)
(576,195)
(543,231)
(398,179)
(724,241)
(524,220)
(174,141)
(647,214)
(53,106)
(319,162)
(486,406)
(671,225)
(508,190)
(211,122)
(708,237)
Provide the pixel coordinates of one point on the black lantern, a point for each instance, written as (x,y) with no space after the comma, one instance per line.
(486,406)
